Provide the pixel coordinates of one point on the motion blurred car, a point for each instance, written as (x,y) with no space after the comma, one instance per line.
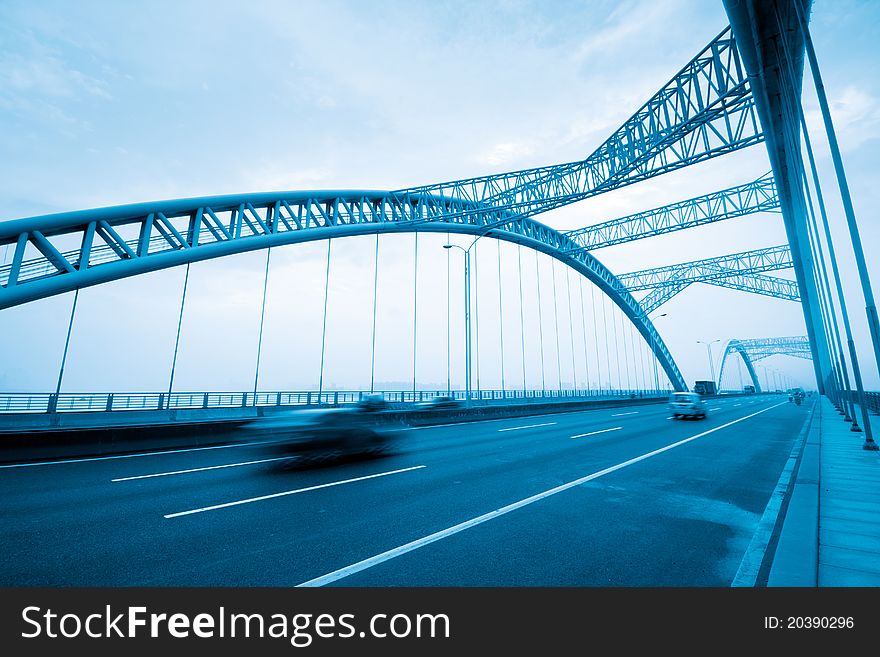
(440,401)
(687,404)
(316,435)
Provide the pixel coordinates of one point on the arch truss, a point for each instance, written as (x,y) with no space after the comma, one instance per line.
(751,351)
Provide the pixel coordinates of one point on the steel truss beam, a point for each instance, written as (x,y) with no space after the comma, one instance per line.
(756,196)
(738,271)
(751,351)
(699,271)
(706,110)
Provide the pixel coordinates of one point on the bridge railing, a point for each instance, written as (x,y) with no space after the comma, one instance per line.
(72,402)
(872,400)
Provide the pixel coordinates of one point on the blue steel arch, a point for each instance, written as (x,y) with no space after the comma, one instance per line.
(736,346)
(176,232)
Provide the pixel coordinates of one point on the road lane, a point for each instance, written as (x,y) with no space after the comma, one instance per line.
(78,527)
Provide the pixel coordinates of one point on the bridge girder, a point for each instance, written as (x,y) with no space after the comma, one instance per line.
(738,201)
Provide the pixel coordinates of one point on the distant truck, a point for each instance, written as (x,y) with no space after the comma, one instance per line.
(705,388)
(749,390)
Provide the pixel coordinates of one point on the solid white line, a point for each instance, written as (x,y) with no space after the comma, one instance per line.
(750,566)
(621,414)
(593,433)
(210,467)
(329,578)
(127,456)
(528,426)
(290,492)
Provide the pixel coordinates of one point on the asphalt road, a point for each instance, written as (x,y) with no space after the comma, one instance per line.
(608,497)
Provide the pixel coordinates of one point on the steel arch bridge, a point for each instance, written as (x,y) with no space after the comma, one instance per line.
(707,109)
(751,351)
(173,233)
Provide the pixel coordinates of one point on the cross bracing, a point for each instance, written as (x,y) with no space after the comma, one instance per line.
(741,200)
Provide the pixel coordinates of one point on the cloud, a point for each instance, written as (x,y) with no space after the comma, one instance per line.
(856,116)
(44,74)
(505,152)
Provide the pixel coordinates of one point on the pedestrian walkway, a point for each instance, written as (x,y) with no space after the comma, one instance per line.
(830,535)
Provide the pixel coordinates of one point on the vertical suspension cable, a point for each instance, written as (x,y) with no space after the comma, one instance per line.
(522,321)
(324,325)
(177,339)
(584,332)
(616,350)
(375,301)
(500,316)
(556,324)
(605,335)
(625,342)
(826,298)
(596,337)
(66,345)
(632,346)
(540,325)
(262,318)
(571,329)
(820,275)
(415,307)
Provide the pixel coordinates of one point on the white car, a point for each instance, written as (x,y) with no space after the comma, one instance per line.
(687,404)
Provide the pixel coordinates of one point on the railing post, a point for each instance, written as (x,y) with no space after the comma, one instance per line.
(52,406)
(205,401)
(161,405)
(244,399)
(308,399)
(336,398)
(278,399)
(109,406)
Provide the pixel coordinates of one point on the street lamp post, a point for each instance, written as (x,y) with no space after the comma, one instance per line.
(467,315)
(711,364)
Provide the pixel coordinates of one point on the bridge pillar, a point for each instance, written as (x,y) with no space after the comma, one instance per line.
(755,25)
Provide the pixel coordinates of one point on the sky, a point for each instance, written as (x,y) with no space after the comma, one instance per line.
(104,103)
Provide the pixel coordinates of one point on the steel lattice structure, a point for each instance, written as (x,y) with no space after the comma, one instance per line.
(745,281)
(741,200)
(751,351)
(704,111)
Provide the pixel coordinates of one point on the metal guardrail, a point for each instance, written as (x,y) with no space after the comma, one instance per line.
(872,400)
(69,402)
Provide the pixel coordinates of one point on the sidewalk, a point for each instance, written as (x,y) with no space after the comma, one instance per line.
(830,535)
